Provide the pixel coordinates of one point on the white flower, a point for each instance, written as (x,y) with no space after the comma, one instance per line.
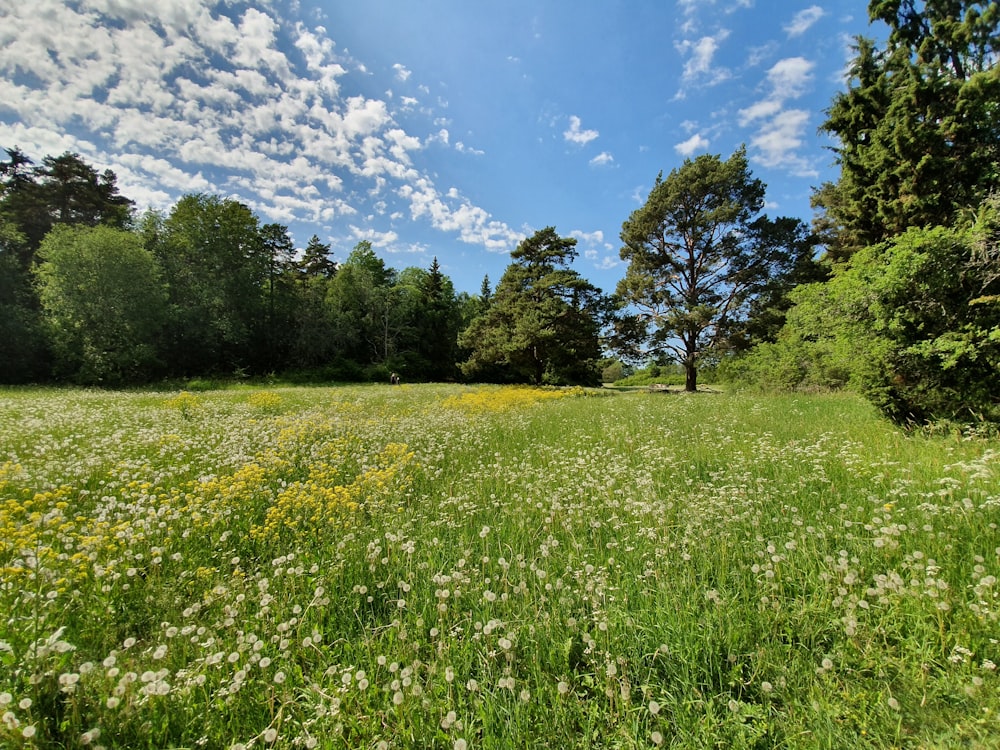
(270,735)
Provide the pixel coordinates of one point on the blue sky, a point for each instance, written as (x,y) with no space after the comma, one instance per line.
(442,128)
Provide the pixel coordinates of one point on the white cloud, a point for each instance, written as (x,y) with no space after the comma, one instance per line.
(700,67)
(602,159)
(803,20)
(780,131)
(695,143)
(588,238)
(574,134)
(378,239)
(790,77)
(779,140)
(759,110)
(473,224)
(462,148)
(195,95)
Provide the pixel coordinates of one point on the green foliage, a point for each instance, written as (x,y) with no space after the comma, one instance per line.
(612,371)
(699,253)
(61,190)
(934,351)
(918,129)
(910,323)
(103,300)
(812,351)
(216,267)
(23,351)
(542,323)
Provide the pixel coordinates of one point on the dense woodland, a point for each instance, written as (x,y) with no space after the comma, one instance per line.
(893,290)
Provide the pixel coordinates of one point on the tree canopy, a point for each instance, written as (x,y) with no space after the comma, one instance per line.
(542,323)
(699,251)
(918,127)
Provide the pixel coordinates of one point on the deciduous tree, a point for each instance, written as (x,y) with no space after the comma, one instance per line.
(104,302)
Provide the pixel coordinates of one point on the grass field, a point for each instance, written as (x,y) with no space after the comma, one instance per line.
(456,567)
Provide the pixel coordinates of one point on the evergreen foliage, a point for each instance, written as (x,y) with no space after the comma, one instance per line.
(699,253)
(542,323)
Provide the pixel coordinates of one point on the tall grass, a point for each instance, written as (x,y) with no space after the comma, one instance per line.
(453,567)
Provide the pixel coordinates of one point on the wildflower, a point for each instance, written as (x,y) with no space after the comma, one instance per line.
(460,744)
(563,688)
(270,735)
(656,738)
(28,732)
(654,708)
(893,703)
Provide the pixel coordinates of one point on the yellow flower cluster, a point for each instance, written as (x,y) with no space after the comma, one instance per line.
(267,401)
(496,399)
(32,524)
(330,496)
(184,402)
(311,479)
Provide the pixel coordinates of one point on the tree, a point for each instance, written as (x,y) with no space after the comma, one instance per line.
(315,261)
(216,266)
(104,303)
(927,337)
(769,305)
(437,324)
(314,343)
(698,253)
(361,299)
(23,351)
(279,251)
(543,321)
(919,125)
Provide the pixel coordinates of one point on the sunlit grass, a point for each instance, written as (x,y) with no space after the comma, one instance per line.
(443,566)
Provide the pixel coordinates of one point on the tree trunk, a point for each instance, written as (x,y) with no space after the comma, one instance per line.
(690,377)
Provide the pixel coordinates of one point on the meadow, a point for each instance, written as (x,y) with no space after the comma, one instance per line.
(444,566)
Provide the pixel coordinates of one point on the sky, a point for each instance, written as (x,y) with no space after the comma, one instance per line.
(440,128)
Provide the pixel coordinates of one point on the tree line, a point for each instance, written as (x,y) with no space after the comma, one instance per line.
(92,293)
(894,290)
